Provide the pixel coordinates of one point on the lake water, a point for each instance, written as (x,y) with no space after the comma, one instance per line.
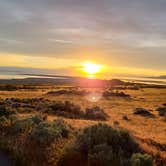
(10,75)
(155,81)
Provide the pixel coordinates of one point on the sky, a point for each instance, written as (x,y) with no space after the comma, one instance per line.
(125,36)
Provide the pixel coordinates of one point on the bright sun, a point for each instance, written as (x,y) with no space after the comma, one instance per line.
(91,68)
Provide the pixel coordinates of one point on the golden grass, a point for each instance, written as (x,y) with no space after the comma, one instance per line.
(140,127)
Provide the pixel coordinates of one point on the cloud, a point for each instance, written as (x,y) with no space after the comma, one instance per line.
(61,28)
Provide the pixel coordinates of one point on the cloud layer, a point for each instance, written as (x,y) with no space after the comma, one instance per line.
(126,32)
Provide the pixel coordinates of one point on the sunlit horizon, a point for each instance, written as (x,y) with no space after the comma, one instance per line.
(73,67)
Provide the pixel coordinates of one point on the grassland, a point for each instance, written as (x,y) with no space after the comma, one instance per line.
(148,131)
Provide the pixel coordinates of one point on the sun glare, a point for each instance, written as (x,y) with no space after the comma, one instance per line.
(91,68)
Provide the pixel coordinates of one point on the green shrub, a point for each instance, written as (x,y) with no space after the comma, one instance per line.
(13,118)
(103,146)
(23,125)
(37,119)
(139,159)
(62,126)
(47,132)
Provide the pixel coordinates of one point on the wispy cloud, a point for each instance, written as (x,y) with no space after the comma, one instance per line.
(60,41)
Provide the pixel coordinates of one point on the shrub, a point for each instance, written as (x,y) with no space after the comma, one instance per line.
(27,104)
(62,126)
(116,124)
(66,109)
(70,110)
(124,117)
(143,112)
(23,125)
(161,111)
(13,118)
(115,94)
(4,122)
(37,119)
(2,102)
(8,87)
(95,113)
(47,132)
(103,146)
(68,92)
(5,112)
(139,159)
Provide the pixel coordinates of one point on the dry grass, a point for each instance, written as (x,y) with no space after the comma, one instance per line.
(142,128)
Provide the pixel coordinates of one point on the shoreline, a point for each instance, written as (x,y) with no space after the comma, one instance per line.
(59,79)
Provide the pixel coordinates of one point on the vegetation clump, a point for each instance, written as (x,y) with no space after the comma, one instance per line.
(101,145)
(161,111)
(37,119)
(8,87)
(28,140)
(5,112)
(23,125)
(164,104)
(66,109)
(124,117)
(95,113)
(47,132)
(70,110)
(115,94)
(139,159)
(68,92)
(4,122)
(143,112)
(26,105)
(125,87)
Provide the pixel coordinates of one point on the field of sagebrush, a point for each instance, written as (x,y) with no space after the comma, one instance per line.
(67,125)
